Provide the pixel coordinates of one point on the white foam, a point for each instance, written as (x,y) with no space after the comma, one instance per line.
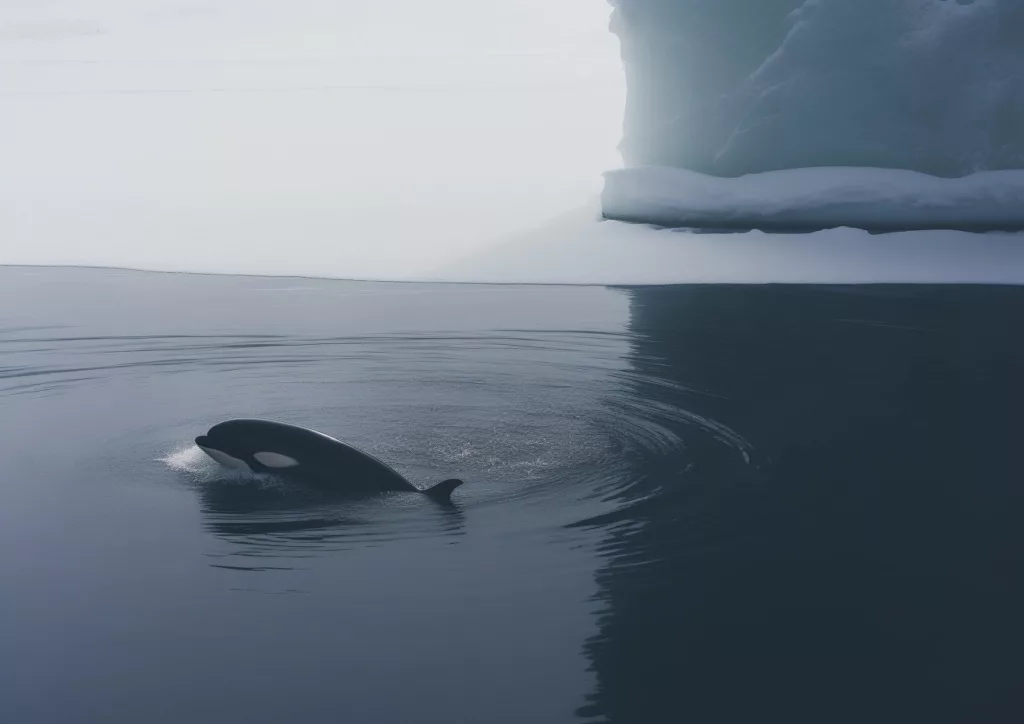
(195,463)
(189,459)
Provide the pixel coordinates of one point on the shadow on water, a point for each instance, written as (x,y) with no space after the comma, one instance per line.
(270,517)
(862,563)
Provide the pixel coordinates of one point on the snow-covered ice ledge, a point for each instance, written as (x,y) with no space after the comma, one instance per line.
(579,249)
(810,199)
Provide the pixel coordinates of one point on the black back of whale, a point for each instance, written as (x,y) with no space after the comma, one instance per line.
(320,457)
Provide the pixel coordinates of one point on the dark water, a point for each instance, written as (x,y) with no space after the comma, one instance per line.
(701,504)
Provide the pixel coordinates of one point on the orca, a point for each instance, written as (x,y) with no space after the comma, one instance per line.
(264,446)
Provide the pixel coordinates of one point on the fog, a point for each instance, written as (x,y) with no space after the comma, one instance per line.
(459,140)
(375,140)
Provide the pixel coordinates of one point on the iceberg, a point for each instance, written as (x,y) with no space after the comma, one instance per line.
(735,87)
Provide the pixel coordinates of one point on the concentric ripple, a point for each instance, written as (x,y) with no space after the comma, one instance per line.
(546,428)
(540,401)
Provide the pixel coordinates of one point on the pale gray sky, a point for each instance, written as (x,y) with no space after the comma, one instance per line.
(369,138)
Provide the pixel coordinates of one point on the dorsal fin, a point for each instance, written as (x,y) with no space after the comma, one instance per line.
(442,492)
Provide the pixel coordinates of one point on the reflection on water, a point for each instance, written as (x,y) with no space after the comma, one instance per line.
(268,516)
(866,565)
(681,503)
(269,601)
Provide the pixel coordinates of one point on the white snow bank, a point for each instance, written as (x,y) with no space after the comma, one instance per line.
(580,249)
(817,198)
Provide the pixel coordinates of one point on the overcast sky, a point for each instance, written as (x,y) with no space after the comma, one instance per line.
(369,137)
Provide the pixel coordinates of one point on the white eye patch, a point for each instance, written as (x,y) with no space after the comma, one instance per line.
(226,460)
(275,460)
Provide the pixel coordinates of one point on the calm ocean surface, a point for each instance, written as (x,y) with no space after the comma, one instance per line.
(691,503)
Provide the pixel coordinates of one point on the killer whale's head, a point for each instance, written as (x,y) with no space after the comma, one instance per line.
(241,445)
(224,452)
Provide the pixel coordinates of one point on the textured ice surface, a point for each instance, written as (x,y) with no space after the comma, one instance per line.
(729,87)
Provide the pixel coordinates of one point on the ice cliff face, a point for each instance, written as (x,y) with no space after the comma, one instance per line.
(730,87)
